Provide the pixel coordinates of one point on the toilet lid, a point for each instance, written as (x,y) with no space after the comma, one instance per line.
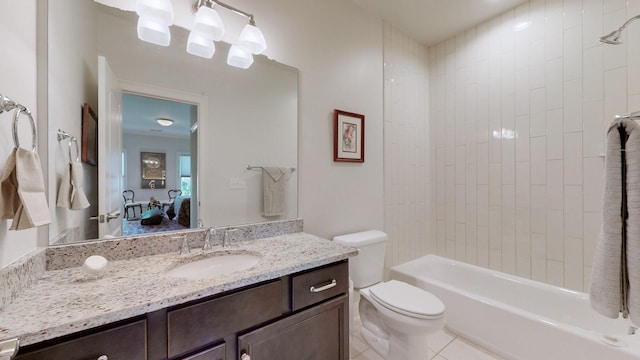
(407,299)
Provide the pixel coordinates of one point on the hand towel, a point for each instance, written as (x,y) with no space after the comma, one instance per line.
(9,200)
(615,280)
(274,190)
(22,179)
(71,195)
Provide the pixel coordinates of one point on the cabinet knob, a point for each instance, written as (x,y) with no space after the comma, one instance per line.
(103,357)
(245,356)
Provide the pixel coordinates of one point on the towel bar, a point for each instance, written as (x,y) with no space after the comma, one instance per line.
(249,167)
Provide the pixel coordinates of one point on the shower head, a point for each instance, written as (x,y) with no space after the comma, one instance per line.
(613,37)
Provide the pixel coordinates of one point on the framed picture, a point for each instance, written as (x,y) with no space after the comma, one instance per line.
(348,136)
(89,136)
(153,169)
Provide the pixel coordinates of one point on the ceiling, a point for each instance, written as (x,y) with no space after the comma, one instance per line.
(139,114)
(431,21)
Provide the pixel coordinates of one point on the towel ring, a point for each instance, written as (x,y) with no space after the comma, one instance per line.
(34,131)
(74,140)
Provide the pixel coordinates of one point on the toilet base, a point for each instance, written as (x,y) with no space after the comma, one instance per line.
(377,343)
(408,347)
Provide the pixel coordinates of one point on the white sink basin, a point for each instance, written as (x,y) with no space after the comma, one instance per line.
(214,265)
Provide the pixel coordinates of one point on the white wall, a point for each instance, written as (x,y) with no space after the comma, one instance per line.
(530,205)
(18,74)
(338,50)
(133,144)
(72,77)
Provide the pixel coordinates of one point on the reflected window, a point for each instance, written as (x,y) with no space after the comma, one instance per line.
(185,174)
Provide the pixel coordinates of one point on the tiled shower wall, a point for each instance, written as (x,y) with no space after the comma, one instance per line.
(407,183)
(518,110)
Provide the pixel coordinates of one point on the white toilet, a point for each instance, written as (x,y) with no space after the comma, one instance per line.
(396,317)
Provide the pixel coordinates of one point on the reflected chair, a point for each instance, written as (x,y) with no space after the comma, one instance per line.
(173,194)
(130,203)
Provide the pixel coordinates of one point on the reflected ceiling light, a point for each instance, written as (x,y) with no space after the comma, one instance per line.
(199,45)
(239,57)
(164,121)
(155,17)
(521,26)
(207,25)
(251,39)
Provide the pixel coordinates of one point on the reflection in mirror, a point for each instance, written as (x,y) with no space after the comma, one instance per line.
(232,118)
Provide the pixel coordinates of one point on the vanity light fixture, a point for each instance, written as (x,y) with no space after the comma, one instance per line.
(164,121)
(208,27)
(155,17)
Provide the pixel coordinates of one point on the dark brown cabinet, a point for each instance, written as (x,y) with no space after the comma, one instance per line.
(318,333)
(126,342)
(300,316)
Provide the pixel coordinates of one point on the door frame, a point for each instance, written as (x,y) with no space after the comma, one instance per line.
(198,100)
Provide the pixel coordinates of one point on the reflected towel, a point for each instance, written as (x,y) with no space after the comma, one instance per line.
(71,195)
(23,197)
(274,189)
(615,279)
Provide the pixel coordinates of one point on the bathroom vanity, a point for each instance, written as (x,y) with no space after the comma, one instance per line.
(292,305)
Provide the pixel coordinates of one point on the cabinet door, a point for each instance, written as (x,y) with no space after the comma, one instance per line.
(319,333)
(126,342)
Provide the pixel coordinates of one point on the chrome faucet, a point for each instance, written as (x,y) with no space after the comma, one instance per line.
(207,239)
(227,234)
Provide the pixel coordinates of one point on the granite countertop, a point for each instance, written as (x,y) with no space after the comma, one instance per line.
(65,301)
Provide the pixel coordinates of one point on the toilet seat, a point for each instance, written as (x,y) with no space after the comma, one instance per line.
(407,300)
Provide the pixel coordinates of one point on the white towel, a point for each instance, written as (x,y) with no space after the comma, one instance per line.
(71,195)
(23,197)
(610,293)
(274,190)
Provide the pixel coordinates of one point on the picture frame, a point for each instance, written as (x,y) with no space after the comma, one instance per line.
(153,170)
(348,136)
(89,153)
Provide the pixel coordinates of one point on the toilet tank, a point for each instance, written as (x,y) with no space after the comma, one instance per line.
(366,268)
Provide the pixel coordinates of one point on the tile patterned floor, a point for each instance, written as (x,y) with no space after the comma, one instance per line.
(443,345)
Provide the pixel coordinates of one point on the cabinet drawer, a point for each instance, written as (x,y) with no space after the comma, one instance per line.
(126,342)
(214,353)
(204,323)
(318,285)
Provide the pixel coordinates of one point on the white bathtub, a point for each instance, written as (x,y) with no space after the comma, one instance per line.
(519,318)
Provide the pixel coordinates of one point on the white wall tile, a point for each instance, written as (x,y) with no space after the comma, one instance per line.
(538,115)
(555,235)
(593,16)
(572,56)
(555,185)
(615,56)
(573,105)
(523,185)
(573,214)
(554,83)
(555,141)
(593,183)
(615,89)
(529,205)
(594,128)
(538,161)
(573,158)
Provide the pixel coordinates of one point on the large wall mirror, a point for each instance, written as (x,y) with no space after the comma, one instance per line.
(222,120)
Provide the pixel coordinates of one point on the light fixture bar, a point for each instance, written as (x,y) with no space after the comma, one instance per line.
(210,3)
